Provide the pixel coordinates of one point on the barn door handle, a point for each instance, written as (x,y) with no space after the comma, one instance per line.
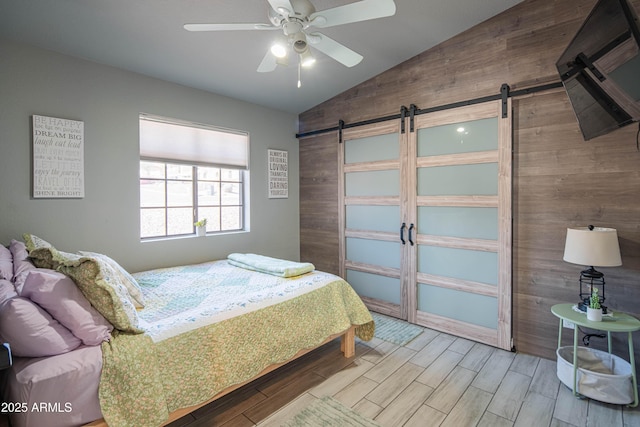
(410,229)
(404,225)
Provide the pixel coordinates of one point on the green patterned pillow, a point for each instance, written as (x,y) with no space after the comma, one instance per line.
(97,280)
(129,282)
(39,251)
(101,286)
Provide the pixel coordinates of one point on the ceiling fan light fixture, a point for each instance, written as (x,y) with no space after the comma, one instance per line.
(284,61)
(307,59)
(279,50)
(299,42)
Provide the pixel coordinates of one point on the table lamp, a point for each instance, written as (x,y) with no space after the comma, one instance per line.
(593,247)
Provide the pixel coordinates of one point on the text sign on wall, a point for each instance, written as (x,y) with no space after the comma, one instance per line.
(278,174)
(58,158)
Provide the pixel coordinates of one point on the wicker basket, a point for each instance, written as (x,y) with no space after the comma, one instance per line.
(600,376)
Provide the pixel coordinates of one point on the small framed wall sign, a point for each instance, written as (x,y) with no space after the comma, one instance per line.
(58,158)
(278,174)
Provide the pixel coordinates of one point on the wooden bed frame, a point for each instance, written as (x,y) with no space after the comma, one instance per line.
(347,346)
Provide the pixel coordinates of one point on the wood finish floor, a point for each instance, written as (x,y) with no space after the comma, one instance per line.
(435,380)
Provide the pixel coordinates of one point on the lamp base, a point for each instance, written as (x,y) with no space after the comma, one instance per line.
(590,279)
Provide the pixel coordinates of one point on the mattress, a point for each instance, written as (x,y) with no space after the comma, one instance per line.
(55,391)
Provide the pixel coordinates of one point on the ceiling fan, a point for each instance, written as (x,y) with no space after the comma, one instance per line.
(295,18)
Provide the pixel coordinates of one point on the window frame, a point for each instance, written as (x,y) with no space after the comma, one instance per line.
(215,225)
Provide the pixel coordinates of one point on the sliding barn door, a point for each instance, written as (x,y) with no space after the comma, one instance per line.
(425,222)
(373,201)
(461,209)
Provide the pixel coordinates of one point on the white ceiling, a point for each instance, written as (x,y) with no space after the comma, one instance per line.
(146,36)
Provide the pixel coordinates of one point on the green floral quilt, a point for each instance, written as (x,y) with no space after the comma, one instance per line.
(213,325)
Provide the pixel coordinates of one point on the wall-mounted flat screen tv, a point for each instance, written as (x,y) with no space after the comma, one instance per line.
(600,69)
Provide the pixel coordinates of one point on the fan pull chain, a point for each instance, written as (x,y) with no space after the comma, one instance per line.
(299,80)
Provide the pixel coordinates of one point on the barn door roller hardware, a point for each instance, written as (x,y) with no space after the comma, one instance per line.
(412,113)
(403,115)
(504,93)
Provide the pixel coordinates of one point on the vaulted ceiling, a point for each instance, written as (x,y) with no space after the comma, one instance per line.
(147,37)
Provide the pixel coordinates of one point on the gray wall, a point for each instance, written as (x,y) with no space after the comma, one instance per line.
(108,101)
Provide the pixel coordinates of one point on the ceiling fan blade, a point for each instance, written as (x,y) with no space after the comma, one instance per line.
(283,7)
(268,64)
(335,50)
(354,12)
(228,27)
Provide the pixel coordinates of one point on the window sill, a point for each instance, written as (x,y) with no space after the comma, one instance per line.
(191,236)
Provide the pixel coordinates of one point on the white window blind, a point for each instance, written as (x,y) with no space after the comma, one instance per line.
(167,139)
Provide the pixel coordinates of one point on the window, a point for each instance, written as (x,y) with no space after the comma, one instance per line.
(190,172)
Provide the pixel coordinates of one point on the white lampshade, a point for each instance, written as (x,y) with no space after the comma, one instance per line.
(596,248)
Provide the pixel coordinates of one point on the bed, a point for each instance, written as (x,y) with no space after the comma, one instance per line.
(177,338)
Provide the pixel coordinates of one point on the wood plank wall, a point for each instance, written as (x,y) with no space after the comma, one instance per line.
(560,180)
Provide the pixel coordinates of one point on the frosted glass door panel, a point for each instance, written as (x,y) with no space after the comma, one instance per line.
(466,137)
(459,180)
(477,266)
(471,308)
(374,183)
(375,252)
(372,218)
(372,149)
(374,286)
(475,223)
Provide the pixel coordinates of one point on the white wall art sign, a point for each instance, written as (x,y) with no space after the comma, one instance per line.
(58,158)
(278,174)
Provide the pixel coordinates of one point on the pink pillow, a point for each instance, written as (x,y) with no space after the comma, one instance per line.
(21,264)
(6,263)
(60,296)
(6,290)
(31,331)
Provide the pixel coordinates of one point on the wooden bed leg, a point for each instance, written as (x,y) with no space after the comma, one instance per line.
(348,342)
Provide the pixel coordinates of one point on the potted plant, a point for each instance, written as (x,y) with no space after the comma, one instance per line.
(594,311)
(201,227)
